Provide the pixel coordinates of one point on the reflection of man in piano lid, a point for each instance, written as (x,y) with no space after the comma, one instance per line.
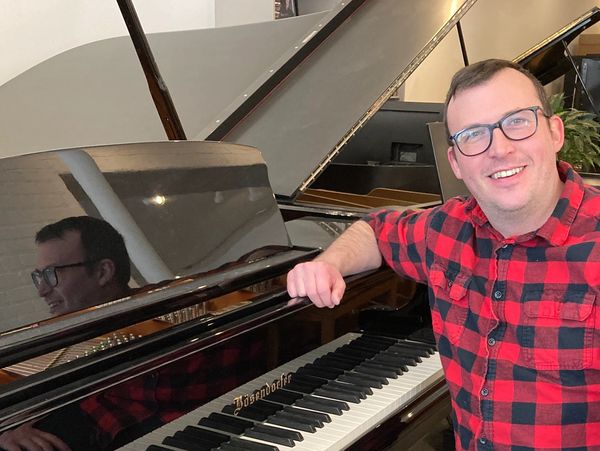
(81,261)
(513,271)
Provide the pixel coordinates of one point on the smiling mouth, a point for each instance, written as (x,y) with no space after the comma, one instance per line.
(507,173)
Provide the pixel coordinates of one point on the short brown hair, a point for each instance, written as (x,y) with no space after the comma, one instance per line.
(482,71)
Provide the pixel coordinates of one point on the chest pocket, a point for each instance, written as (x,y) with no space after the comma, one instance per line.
(559,329)
(449,302)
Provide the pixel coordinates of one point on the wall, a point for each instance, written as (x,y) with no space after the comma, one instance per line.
(492,29)
(33,31)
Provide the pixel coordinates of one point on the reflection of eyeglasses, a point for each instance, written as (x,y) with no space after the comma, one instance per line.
(49,275)
(516,126)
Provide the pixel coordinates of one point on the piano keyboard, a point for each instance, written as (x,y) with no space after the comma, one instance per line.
(312,422)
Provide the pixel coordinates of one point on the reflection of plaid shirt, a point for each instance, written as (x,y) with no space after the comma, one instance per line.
(133,408)
(517,320)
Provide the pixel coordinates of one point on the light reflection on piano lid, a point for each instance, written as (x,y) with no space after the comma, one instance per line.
(182,207)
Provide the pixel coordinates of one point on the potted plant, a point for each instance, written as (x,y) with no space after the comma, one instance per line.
(582,135)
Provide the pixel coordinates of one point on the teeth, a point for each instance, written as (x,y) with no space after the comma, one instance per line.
(504,174)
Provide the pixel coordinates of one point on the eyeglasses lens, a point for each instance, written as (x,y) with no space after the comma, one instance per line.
(516,126)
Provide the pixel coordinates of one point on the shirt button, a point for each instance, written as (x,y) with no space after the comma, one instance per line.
(485,392)
(498,294)
(482,441)
(449,283)
(491,341)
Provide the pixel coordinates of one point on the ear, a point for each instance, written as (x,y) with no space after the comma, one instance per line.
(453,163)
(105,271)
(557,132)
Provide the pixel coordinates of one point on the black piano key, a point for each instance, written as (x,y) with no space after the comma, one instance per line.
(383,365)
(367,348)
(342,357)
(226,423)
(368,376)
(304,416)
(409,349)
(313,381)
(322,405)
(300,388)
(278,432)
(399,354)
(376,370)
(247,445)
(258,411)
(334,362)
(250,413)
(355,353)
(377,339)
(338,394)
(355,378)
(292,421)
(401,365)
(325,373)
(426,346)
(323,417)
(269,438)
(283,396)
(300,415)
(360,391)
(205,434)
(157,448)
(183,444)
(396,360)
(198,442)
(268,406)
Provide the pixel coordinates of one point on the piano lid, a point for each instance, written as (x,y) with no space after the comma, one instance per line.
(302,124)
(182,207)
(547,60)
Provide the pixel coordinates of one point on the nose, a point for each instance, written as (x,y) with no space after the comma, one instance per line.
(501,145)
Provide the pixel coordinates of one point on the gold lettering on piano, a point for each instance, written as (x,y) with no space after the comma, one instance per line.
(239,402)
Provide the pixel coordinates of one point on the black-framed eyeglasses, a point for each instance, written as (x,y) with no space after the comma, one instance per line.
(49,275)
(516,126)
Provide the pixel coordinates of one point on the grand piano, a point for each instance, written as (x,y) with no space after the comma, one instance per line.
(230,361)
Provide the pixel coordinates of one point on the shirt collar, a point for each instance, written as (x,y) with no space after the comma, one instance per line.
(556,229)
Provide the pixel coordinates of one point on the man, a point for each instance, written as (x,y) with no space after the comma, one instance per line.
(513,271)
(81,262)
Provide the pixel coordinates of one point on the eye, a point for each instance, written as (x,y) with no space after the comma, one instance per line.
(518,120)
(471,135)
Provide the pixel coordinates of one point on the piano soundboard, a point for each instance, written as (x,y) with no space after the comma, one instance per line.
(324,400)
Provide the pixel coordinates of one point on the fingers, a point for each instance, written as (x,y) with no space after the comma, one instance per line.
(28,438)
(321,282)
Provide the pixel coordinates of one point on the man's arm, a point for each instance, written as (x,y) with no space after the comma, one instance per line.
(322,280)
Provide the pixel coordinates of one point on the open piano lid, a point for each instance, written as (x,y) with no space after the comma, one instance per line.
(302,124)
(547,60)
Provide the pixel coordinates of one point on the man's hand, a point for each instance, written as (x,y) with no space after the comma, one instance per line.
(28,438)
(320,281)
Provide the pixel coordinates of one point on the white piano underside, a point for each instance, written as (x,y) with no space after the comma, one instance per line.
(344,429)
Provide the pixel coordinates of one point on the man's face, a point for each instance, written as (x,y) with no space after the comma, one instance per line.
(511,176)
(76,288)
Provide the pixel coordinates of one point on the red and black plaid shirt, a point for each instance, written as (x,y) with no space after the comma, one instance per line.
(517,320)
(138,406)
